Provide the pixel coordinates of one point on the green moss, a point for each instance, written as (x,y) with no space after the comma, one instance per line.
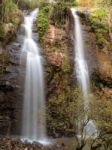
(99,12)
(42,22)
(98,18)
(99,25)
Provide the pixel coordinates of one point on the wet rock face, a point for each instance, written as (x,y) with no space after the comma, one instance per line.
(11,90)
(12,86)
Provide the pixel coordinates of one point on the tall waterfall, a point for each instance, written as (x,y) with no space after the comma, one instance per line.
(81,64)
(33,123)
(82,72)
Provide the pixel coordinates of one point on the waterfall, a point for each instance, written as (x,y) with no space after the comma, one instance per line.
(81,64)
(33,122)
(82,72)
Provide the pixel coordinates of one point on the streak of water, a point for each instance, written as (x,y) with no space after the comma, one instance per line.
(82,73)
(34,124)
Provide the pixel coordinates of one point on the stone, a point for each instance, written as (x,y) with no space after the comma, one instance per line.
(86,147)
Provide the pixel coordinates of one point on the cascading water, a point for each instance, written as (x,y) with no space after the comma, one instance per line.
(82,72)
(81,64)
(33,124)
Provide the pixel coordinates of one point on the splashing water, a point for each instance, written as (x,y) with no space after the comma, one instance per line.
(82,72)
(33,124)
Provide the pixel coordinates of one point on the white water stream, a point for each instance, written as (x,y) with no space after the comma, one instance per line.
(33,122)
(82,73)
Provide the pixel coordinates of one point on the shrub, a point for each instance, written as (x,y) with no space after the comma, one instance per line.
(60,12)
(99,25)
(7,7)
(42,22)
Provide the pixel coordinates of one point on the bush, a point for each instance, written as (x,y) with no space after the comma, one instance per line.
(60,12)
(7,7)
(42,22)
(98,18)
(10,18)
(99,25)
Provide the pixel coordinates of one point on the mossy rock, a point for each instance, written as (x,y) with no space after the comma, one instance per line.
(11,17)
(99,26)
(8,32)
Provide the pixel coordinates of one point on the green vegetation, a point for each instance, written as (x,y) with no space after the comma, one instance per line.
(98,19)
(65,65)
(54,13)
(64,101)
(101,110)
(60,12)
(42,21)
(62,110)
(99,25)
(8,9)
(10,18)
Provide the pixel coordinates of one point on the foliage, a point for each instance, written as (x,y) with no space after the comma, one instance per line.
(10,18)
(99,25)
(7,8)
(99,12)
(42,22)
(60,12)
(98,18)
(62,110)
(102,114)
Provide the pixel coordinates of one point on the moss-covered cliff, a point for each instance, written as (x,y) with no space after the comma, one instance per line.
(63,97)
(10,18)
(98,29)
